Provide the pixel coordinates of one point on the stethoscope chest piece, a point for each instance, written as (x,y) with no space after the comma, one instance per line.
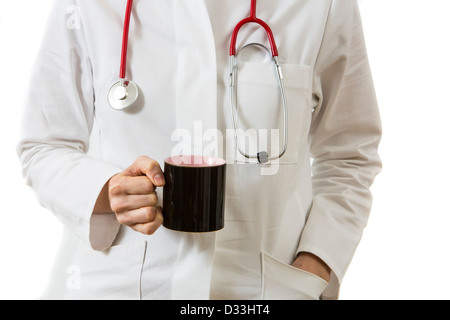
(123,95)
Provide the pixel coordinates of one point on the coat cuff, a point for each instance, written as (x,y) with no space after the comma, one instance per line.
(103,229)
(76,211)
(332,290)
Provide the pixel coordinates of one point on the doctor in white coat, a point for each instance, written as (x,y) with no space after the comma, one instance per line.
(290,233)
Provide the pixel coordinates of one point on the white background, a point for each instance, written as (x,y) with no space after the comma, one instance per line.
(404,253)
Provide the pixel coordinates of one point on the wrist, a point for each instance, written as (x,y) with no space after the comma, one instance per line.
(311,263)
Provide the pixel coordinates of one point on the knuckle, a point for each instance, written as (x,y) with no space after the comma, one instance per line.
(150,214)
(122,219)
(115,187)
(153,165)
(149,230)
(148,186)
(152,228)
(153,199)
(118,204)
(142,159)
(160,217)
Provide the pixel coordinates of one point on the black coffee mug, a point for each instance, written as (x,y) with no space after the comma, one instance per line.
(194,193)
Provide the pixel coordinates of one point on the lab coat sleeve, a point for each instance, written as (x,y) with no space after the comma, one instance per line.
(345,134)
(55,133)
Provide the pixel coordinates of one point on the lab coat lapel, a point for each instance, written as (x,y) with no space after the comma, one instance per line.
(196,78)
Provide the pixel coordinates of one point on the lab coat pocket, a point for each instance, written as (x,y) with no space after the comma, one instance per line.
(260,113)
(284,282)
(106,275)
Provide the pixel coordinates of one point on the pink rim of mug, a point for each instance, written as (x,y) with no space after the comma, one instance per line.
(195,161)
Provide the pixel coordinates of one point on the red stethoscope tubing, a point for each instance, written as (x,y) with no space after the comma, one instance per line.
(253,19)
(126,31)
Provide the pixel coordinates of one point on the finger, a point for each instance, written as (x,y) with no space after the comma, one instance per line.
(139,216)
(122,204)
(125,185)
(150,228)
(140,185)
(145,166)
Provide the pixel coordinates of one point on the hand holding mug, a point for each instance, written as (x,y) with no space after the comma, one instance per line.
(133,198)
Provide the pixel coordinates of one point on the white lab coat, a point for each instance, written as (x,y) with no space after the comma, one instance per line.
(178,55)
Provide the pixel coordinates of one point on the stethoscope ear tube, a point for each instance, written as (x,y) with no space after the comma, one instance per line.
(253,19)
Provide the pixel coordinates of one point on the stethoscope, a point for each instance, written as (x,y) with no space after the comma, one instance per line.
(125,93)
